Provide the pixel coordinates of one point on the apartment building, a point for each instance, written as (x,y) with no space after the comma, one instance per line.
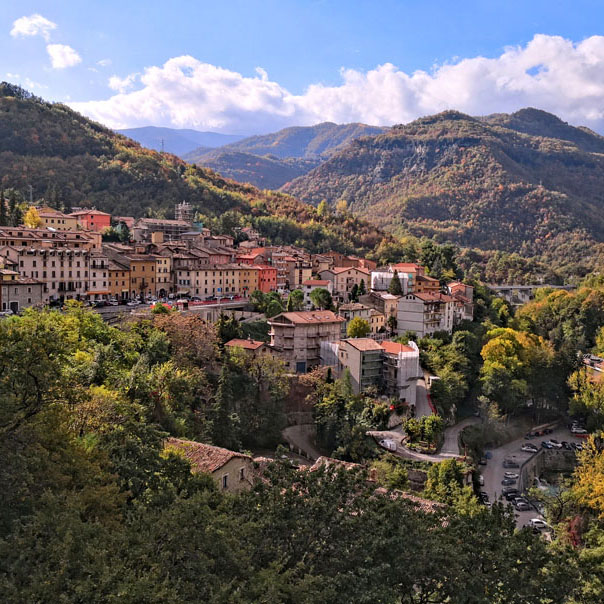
(164,279)
(425,313)
(17,292)
(47,238)
(380,280)
(383,302)
(296,337)
(92,220)
(310,285)
(464,301)
(401,370)
(218,280)
(363,359)
(118,279)
(352,310)
(343,279)
(267,278)
(98,284)
(57,220)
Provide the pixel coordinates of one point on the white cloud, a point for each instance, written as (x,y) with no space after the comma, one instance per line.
(26,82)
(62,56)
(34,25)
(122,84)
(104,62)
(550,73)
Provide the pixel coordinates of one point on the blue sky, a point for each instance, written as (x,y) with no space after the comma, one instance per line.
(303,48)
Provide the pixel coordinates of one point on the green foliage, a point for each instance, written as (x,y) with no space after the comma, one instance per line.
(428,428)
(295,300)
(395,288)
(321,298)
(358,328)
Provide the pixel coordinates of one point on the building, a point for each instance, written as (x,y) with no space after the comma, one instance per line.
(310,285)
(230,470)
(98,284)
(296,336)
(401,370)
(425,313)
(344,279)
(64,271)
(426,285)
(383,302)
(219,280)
(377,322)
(18,237)
(351,311)
(56,220)
(253,347)
(164,278)
(184,211)
(142,274)
(17,293)
(380,280)
(267,278)
(118,275)
(92,220)
(363,359)
(172,229)
(464,301)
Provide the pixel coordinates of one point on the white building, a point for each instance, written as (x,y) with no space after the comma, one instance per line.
(425,313)
(310,285)
(380,280)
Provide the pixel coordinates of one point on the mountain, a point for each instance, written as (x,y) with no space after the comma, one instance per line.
(178,142)
(271,160)
(264,172)
(52,148)
(526,182)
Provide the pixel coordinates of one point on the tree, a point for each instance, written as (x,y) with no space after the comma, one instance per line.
(353,296)
(321,298)
(362,288)
(395,288)
(3,214)
(358,328)
(295,300)
(273,308)
(341,206)
(32,219)
(322,209)
(228,328)
(392,324)
(160,309)
(258,300)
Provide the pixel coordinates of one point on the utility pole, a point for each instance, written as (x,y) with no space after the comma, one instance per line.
(31,195)
(162,145)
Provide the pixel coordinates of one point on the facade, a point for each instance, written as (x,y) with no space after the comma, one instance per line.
(464,301)
(142,274)
(401,370)
(310,285)
(426,285)
(218,280)
(352,310)
(17,293)
(232,471)
(48,238)
(343,279)
(425,314)
(267,278)
(164,282)
(57,220)
(296,336)
(92,220)
(98,284)
(172,229)
(377,321)
(380,280)
(118,275)
(363,359)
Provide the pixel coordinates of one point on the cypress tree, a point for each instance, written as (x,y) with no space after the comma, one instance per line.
(395,288)
(3,218)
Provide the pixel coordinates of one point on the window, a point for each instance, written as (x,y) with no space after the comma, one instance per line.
(225,481)
(241,473)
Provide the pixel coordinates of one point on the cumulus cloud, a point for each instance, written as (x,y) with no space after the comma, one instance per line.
(122,84)
(34,25)
(62,56)
(550,73)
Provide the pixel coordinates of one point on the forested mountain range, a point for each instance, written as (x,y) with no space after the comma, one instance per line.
(526,183)
(52,148)
(178,141)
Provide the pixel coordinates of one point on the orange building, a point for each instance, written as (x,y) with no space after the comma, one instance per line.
(267,278)
(92,220)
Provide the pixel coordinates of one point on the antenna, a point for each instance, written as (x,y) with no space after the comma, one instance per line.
(162,145)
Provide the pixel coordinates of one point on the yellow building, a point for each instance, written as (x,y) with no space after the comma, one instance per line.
(164,279)
(57,220)
(118,280)
(142,274)
(217,280)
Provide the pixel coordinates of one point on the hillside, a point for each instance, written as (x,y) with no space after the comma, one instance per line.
(264,172)
(501,182)
(51,147)
(178,141)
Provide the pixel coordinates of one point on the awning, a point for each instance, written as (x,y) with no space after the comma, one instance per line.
(99,293)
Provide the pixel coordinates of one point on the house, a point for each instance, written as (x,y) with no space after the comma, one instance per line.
(267,278)
(231,471)
(18,292)
(253,347)
(418,281)
(118,280)
(464,301)
(57,220)
(296,336)
(401,370)
(310,285)
(92,220)
(383,302)
(377,321)
(380,280)
(425,313)
(98,283)
(343,279)
(363,359)
(351,311)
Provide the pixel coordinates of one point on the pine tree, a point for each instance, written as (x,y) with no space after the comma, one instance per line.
(14,211)
(225,423)
(67,207)
(3,217)
(395,288)
(362,288)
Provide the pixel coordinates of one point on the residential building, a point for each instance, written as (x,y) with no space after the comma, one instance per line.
(425,313)
(47,238)
(98,284)
(363,359)
(17,292)
(352,310)
(219,280)
(310,285)
(57,220)
(172,229)
(296,336)
(267,278)
(383,302)
(142,274)
(401,370)
(253,347)
(464,301)
(118,274)
(92,220)
(343,279)
(164,279)
(380,280)
(377,322)
(426,285)
(230,470)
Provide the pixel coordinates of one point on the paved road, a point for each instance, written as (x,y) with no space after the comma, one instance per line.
(450,447)
(302,437)
(422,407)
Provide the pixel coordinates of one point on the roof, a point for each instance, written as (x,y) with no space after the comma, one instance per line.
(395,347)
(433,297)
(353,306)
(309,317)
(164,222)
(203,458)
(336,270)
(407,265)
(316,282)
(426,278)
(93,211)
(247,344)
(363,344)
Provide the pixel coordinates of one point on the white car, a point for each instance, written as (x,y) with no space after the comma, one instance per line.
(510,475)
(578,430)
(538,524)
(388,444)
(133,303)
(529,448)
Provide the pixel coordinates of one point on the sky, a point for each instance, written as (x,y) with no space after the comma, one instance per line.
(251,66)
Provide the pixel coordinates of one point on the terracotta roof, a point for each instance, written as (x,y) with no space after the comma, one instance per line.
(319,282)
(395,347)
(433,297)
(353,306)
(426,278)
(341,269)
(363,344)
(407,265)
(247,344)
(202,457)
(309,317)
(93,211)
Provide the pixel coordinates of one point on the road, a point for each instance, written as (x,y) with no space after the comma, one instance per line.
(422,406)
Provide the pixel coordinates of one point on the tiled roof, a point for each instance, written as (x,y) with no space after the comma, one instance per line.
(202,457)
(411,266)
(336,270)
(433,297)
(425,278)
(309,317)
(395,347)
(89,212)
(316,282)
(363,344)
(353,306)
(247,344)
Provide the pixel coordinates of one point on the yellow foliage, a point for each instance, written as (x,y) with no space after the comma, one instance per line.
(32,218)
(589,478)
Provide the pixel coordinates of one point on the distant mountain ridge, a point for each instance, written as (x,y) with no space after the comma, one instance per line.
(271,160)
(177,141)
(526,182)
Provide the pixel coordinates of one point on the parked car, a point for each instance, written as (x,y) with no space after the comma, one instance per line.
(482,461)
(547,445)
(133,303)
(579,447)
(506,482)
(112,302)
(578,430)
(554,444)
(511,475)
(511,495)
(510,491)
(388,444)
(484,496)
(522,506)
(529,448)
(510,463)
(538,524)
(566,445)
(481,480)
